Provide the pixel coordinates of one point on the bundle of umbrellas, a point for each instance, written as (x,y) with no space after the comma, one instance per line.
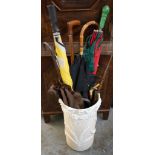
(76,83)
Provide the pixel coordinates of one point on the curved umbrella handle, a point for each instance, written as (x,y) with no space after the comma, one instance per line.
(70,25)
(85,26)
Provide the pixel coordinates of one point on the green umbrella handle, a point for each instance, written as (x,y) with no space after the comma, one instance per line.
(105,12)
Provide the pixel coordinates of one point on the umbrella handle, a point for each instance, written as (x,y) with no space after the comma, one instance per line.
(70,25)
(53,18)
(105,12)
(85,26)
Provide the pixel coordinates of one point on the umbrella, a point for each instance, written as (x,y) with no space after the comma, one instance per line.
(84,71)
(91,52)
(98,48)
(59,48)
(93,46)
(59,90)
(78,69)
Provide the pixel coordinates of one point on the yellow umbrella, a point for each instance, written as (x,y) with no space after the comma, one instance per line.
(59,48)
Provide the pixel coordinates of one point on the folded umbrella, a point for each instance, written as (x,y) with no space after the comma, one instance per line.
(89,50)
(60,90)
(93,46)
(59,48)
(92,50)
(97,53)
(78,69)
(83,52)
(98,47)
(79,73)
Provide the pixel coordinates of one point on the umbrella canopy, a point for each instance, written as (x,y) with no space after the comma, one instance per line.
(97,52)
(59,48)
(89,50)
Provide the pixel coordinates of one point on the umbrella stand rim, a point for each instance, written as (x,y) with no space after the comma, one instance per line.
(83,109)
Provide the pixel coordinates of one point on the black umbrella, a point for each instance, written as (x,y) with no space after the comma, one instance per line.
(82,71)
(82,81)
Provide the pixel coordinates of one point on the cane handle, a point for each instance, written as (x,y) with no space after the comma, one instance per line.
(85,26)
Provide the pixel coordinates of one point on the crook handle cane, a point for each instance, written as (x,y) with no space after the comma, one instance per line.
(70,25)
(85,26)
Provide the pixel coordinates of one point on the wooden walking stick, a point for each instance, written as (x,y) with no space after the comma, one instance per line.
(82,33)
(70,25)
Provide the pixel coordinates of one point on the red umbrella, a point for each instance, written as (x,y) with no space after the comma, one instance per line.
(97,53)
(93,46)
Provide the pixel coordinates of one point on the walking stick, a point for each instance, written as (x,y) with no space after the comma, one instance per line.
(82,33)
(70,25)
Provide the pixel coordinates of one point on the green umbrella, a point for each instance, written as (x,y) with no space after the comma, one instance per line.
(92,48)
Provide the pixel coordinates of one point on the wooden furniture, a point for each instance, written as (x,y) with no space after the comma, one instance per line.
(67,10)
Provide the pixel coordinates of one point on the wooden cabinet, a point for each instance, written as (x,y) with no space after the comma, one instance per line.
(84,10)
(67,10)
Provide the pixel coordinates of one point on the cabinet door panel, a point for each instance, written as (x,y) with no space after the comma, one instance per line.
(84,10)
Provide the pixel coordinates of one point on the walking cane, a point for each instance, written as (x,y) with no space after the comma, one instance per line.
(70,25)
(82,34)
